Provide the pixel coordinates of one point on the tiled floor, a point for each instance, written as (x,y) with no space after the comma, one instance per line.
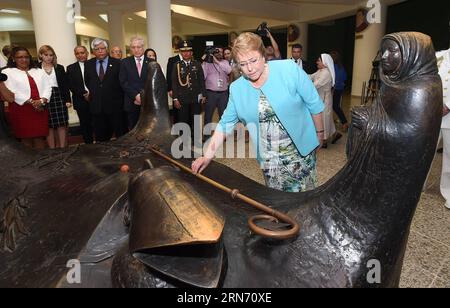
(427,260)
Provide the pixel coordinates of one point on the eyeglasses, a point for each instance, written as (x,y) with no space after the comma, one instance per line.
(100,49)
(251,62)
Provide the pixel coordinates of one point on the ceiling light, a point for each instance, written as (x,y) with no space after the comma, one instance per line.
(9,11)
(104,17)
(142,14)
(80,18)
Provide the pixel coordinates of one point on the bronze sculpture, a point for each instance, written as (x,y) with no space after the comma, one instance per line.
(362,214)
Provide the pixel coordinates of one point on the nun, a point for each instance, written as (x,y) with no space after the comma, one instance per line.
(324,80)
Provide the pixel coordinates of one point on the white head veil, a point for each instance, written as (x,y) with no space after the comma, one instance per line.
(327,60)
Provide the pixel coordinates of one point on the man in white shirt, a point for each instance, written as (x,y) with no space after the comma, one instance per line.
(443,58)
(297,51)
(80,93)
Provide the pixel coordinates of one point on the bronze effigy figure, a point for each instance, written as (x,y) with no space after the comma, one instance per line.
(69,204)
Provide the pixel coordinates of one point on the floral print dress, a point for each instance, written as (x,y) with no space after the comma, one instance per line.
(283,166)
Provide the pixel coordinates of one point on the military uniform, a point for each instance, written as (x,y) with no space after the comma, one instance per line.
(188,85)
(443,58)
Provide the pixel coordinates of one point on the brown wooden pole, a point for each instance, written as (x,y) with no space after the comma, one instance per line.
(272,215)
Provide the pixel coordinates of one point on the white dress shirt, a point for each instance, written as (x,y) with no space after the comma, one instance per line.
(18,84)
(299,62)
(82,74)
(136,60)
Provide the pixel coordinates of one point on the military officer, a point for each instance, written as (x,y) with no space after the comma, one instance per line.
(188,85)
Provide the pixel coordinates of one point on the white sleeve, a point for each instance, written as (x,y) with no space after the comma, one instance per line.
(321,79)
(9,83)
(14,85)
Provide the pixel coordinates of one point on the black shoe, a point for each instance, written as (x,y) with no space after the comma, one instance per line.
(336,137)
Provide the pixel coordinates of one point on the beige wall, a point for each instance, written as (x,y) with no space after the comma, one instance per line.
(88,28)
(11,22)
(4,39)
(133,29)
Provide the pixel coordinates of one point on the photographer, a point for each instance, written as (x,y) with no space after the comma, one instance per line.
(272,51)
(216,70)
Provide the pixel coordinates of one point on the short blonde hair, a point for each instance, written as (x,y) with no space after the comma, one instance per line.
(246,42)
(47,48)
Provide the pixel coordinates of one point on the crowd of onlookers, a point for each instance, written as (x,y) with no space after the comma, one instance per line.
(107,93)
(293,109)
(106,89)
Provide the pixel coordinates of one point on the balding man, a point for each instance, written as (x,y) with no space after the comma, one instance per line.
(116,53)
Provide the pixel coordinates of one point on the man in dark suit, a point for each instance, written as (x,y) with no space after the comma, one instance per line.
(105,93)
(170,67)
(133,76)
(80,93)
(297,51)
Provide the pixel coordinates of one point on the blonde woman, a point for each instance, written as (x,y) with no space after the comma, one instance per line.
(280,101)
(60,100)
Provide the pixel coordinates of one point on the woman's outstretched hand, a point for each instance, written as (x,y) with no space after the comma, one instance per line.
(200,164)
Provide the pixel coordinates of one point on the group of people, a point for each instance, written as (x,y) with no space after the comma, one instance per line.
(196,86)
(289,102)
(106,93)
(292,109)
(38,96)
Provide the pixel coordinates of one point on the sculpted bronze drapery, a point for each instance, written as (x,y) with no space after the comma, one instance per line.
(58,206)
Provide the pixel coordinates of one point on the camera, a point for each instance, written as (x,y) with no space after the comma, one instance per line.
(3,77)
(262,29)
(210,52)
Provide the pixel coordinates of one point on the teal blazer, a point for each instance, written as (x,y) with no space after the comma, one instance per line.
(293,98)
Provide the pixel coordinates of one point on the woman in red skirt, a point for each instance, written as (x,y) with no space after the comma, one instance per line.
(28,91)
